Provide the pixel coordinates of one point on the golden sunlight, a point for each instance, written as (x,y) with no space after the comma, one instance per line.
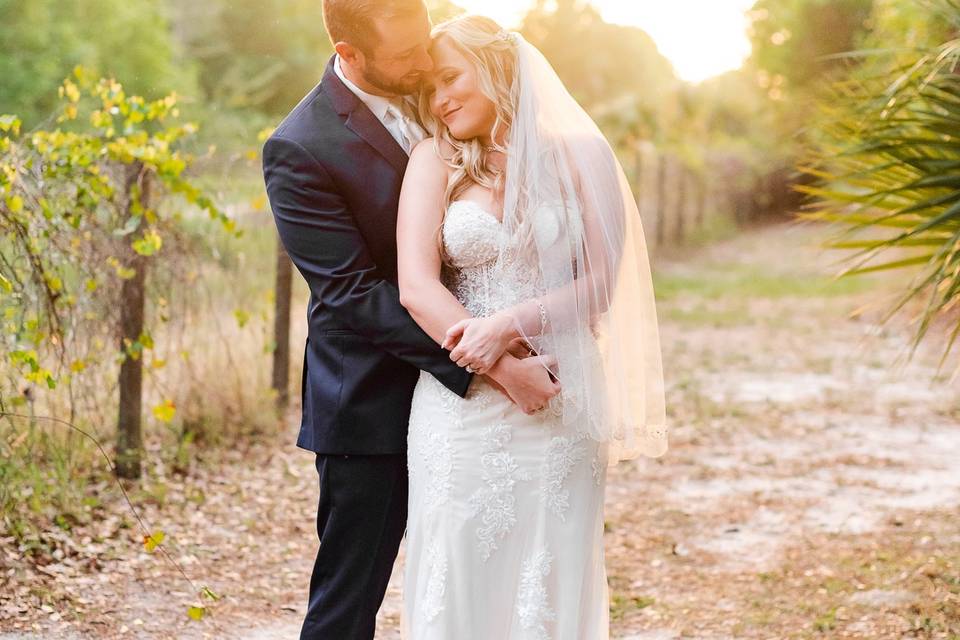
(701,38)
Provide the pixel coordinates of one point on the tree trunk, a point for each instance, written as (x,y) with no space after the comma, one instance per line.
(662,170)
(703,198)
(281,327)
(132,301)
(680,229)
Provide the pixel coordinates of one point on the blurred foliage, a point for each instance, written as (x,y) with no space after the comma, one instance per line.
(79,202)
(895,25)
(41,41)
(594,69)
(257,54)
(797,45)
(262,55)
(240,65)
(887,158)
(795,39)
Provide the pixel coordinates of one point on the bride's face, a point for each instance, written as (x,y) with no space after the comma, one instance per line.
(456,99)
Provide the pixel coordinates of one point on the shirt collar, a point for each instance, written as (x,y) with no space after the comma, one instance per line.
(377,104)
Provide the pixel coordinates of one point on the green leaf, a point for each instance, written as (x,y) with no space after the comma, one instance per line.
(242,317)
(125,273)
(10,123)
(165,411)
(896,264)
(154,540)
(129,227)
(875,244)
(149,244)
(207,592)
(15,204)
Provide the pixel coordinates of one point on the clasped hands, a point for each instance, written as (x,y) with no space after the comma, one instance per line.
(493,347)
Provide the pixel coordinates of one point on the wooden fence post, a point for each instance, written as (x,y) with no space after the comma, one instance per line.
(132,300)
(661,217)
(283,288)
(680,226)
(703,192)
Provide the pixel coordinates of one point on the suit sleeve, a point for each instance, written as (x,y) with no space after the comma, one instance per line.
(323,241)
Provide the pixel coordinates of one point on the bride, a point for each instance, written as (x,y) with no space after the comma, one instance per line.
(517,227)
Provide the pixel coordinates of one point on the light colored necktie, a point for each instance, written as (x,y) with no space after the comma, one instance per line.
(411,133)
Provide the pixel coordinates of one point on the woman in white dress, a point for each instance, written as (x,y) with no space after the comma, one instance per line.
(517,227)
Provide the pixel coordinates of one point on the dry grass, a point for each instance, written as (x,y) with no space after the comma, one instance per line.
(810,490)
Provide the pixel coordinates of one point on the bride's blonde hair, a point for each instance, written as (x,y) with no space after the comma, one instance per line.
(492,52)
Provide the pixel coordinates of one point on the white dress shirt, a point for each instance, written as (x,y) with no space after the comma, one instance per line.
(394,113)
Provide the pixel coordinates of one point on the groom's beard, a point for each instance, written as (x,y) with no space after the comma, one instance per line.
(406,85)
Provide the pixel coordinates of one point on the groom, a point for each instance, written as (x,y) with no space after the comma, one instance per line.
(333,171)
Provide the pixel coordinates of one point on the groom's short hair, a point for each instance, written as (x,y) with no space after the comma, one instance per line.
(353,20)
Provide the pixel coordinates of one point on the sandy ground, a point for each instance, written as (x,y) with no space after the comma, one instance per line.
(811,489)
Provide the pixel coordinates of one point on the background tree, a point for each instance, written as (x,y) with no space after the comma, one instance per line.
(795,49)
(594,69)
(81,220)
(41,41)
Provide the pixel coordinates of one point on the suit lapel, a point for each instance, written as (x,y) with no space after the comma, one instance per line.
(361,120)
(363,123)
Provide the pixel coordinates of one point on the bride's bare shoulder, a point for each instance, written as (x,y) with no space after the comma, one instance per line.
(431,152)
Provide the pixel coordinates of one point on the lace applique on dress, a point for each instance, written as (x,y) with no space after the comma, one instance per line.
(533,609)
(448,400)
(437,455)
(599,470)
(481,393)
(495,504)
(562,456)
(436,583)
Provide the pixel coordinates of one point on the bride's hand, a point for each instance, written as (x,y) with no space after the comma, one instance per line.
(478,343)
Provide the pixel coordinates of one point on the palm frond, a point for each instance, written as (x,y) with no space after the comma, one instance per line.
(887,164)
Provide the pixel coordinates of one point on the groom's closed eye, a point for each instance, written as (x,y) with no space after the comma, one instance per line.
(409,53)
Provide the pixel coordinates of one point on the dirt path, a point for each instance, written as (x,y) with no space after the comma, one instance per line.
(811,490)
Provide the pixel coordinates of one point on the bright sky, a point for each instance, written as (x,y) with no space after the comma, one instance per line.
(701,38)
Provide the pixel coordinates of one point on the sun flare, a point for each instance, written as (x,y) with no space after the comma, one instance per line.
(701,38)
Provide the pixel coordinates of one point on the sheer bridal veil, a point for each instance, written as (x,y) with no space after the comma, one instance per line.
(570,213)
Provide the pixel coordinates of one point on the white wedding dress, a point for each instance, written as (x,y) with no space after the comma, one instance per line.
(505,525)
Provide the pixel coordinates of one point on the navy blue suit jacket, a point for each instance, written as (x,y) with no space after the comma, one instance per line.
(333,175)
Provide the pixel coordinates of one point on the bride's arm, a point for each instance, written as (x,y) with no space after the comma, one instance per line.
(590,292)
(422,293)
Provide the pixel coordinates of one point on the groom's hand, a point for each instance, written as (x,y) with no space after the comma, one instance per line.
(520,349)
(496,385)
(527,382)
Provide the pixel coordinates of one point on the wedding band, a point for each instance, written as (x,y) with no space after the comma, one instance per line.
(469,369)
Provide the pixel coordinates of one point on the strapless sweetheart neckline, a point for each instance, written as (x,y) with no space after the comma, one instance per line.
(477,207)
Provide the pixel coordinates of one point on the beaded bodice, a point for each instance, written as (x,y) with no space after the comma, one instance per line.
(472,239)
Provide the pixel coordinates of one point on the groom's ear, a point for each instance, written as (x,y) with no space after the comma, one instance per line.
(350,54)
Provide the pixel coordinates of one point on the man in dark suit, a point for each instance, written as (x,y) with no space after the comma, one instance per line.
(333,171)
